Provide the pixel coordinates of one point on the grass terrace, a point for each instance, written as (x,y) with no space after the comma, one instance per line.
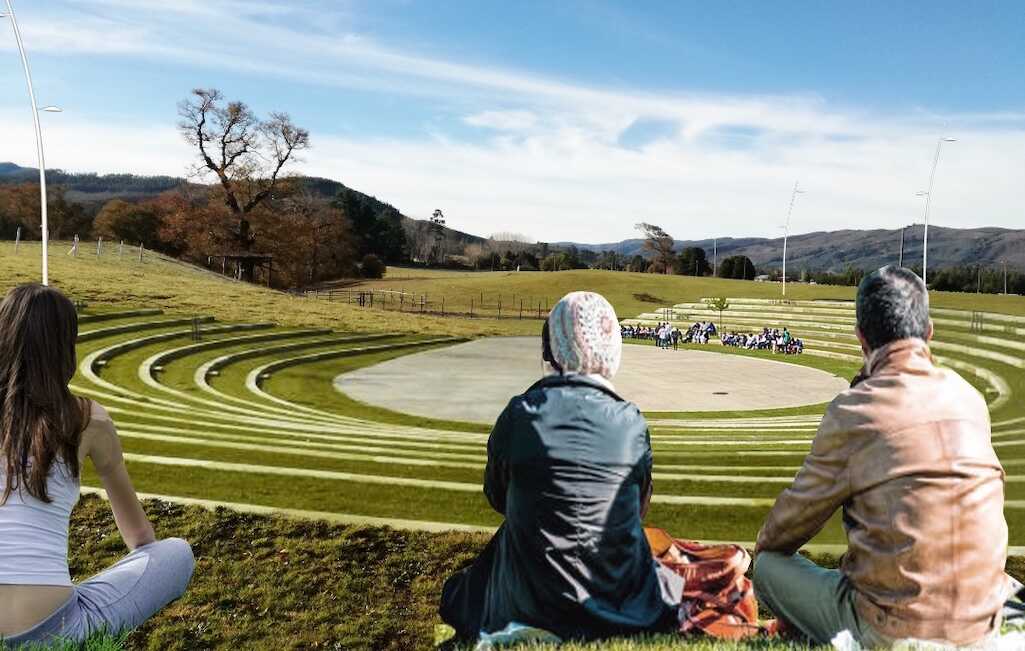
(237,412)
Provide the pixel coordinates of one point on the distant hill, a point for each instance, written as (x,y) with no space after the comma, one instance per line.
(99,188)
(864,249)
(818,251)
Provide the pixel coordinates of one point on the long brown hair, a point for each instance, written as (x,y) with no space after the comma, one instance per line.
(40,421)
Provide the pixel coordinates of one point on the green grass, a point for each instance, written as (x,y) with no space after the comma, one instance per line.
(275,597)
(108,282)
(634,293)
(276,583)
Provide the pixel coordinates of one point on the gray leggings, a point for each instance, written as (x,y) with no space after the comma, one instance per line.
(121,597)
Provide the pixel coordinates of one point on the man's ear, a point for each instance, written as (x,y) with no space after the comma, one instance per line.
(864,343)
(929,332)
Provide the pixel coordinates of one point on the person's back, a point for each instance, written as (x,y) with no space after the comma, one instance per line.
(927,492)
(571,472)
(906,453)
(569,467)
(34,575)
(47,434)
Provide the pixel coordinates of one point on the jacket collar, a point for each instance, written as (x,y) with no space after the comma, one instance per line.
(900,355)
(575,379)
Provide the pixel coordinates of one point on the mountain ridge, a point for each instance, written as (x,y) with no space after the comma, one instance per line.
(813,251)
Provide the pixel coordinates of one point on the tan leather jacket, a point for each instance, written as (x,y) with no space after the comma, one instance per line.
(907,454)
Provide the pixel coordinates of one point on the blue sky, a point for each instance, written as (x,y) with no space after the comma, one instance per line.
(566,120)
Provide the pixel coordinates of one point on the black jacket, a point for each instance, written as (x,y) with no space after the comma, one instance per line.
(569,465)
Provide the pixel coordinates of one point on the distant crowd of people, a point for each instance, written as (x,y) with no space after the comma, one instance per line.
(776,340)
(666,335)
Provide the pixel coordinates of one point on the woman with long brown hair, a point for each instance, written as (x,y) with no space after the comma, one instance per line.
(46,433)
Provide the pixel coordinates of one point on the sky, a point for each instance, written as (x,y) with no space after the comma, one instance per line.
(561,120)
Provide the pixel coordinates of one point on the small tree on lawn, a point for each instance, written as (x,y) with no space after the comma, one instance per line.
(720,305)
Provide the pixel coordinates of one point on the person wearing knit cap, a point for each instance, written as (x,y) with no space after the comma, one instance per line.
(569,468)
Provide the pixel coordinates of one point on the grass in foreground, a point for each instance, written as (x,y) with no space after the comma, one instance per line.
(276,583)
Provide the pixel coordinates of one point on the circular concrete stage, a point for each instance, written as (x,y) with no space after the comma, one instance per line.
(472,382)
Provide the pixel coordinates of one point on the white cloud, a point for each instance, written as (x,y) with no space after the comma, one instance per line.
(503,120)
(549,162)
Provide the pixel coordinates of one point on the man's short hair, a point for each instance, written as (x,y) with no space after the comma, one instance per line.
(893,303)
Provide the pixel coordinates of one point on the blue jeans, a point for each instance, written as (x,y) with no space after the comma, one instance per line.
(121,597)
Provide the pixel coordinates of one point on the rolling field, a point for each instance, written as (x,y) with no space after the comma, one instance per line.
(223,396)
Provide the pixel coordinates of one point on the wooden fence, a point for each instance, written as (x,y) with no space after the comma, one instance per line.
(495,306)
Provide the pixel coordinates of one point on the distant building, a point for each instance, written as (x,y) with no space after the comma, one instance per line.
(763,278)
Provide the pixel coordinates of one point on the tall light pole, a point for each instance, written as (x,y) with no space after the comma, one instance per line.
(928,200)
(786,233)
(715,255)
(44,224)
(1005,277)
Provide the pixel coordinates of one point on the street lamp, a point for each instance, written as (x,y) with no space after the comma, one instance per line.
(44,224)
(928,200)
(786,234)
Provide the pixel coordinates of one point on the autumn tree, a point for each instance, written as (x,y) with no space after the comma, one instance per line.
(660,245)
(310,239)
(129,222)
(245,153)
(19,206)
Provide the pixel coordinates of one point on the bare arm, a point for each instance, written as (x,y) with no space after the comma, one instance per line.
(103,447)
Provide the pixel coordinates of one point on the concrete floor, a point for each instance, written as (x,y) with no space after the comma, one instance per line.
(473,382)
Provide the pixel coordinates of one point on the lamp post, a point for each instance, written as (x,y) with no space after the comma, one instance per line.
(928,200)
(44,224)
(715,255)
(786,233)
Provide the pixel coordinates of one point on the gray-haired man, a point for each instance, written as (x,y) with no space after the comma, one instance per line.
(906,453)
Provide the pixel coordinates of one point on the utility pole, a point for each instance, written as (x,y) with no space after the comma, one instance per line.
(44,221)
(715,255)
(1005,277)
(786,234)
(900,262)
(928,201)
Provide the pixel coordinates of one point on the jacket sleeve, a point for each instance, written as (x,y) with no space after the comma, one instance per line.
(822,485)
(496,473)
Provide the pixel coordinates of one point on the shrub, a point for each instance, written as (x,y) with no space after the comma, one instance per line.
(372,267)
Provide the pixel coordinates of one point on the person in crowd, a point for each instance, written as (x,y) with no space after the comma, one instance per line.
(46,434)
(569,468)
(905,453)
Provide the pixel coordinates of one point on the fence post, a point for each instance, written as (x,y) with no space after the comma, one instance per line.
(141,251)
(17,240)
(121,249)
(499,306)
(74,247)
(442,306)
(402,300)
(521,309)
(423,299)
(99,246)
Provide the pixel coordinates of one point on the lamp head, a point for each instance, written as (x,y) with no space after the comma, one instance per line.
(51,109)
(950,140)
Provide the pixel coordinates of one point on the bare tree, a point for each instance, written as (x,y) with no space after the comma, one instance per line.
(660,244)
(245,153)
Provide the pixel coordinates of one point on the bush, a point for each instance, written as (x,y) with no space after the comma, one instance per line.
(372,267)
